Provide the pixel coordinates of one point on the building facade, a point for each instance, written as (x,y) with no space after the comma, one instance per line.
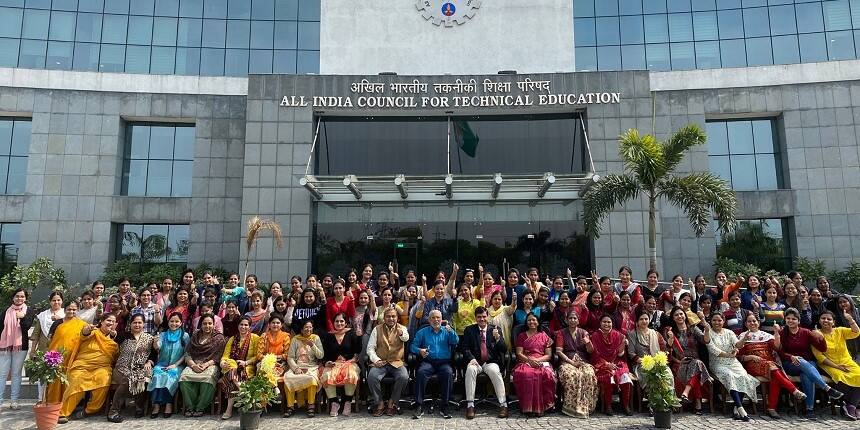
(218,111)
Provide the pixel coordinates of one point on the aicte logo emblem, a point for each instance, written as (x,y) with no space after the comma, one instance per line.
(448,12)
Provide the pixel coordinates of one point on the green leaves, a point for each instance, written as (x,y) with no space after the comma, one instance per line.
(642,156)
(603,196)
(699,194)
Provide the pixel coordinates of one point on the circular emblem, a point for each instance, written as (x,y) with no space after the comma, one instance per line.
(448,12)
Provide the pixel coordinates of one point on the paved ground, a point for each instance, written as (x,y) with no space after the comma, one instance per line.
(23,419)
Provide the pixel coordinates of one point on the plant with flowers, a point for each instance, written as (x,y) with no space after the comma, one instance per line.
(261,390)
(659,386)
(45,368)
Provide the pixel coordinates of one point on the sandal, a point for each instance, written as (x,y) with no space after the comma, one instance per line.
(189,413)
(197,414)
(311,412)
(288,413)
(226,416)
(684,399)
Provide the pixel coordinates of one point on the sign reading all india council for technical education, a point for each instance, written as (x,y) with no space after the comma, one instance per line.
(459,94)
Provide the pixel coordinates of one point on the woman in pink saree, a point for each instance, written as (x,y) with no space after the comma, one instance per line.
(607,356)
(534,378)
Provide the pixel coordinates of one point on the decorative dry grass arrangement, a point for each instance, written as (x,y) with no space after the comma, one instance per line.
(255,226)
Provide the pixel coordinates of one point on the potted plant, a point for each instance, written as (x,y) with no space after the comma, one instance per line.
(659,388)
(45,368)
(257,393)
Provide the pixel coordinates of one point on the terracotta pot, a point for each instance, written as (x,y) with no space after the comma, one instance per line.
(46,415)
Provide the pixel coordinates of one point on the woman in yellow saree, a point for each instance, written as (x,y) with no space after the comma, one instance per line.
(65,334)
(90,367)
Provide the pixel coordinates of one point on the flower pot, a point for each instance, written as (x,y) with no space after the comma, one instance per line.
(249,420)
(46,415)
(663,419)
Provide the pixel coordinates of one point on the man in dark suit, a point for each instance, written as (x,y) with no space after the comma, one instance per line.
(484,347)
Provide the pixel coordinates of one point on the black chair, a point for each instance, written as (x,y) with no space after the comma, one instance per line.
(413,361)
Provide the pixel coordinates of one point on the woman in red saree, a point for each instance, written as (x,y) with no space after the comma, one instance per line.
(534,378)
(607,356)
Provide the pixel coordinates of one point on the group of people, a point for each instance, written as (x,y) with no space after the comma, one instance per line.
(575,340)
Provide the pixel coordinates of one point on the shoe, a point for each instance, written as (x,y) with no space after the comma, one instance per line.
(391,411)
(685,400)
(197,414)
(15,406)
(503,412)
(834,393)
(380,410)
(419,413)
(138,413)
(115,418)
(470,412)
(773,414)
(810,415)
(167,414)
(745,418)
(312,412)
(288,413)
(444,413)
(62,420)
(850,411)
(347,409)
(629,412)
(81,414)
(735,415)
(696,412)
(189,414)
(799,395)
(335,407)
(153,415)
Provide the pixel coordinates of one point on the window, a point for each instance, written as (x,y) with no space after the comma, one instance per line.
(14,147)
(766,243)
(745,153)
(158,160)
(152,243)
(10,238)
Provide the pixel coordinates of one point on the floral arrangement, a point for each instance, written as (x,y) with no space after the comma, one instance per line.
(658,383)
(45,368)
(261,390)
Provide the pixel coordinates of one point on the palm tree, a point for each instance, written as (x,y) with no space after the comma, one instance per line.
(649,167)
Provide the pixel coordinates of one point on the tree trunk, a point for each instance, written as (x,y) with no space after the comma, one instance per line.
(652,233)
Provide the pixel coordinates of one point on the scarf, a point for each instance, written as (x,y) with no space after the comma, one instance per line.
(274,343)
(172,336)
(45,320)
(12,338)
(239,350)
(201,350)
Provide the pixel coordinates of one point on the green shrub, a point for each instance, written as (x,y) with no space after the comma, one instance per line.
(845,280)
(39,279)
(734,268)
(810,268)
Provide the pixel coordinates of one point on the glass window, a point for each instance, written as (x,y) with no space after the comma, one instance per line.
(240,9)
(718,141)
(608,58)
(309,35)
(855,13)
(115,28)
(286,34)
(59,55)
(36,24)
(21,138)
(284,60)
(187,61)
(289,9)
(763,136)
(307,62)
(140,30)
(583,8)
(236,62)
(733,53)
(633,57)
(708,55)
(812,47)
(150,161)
(756,22)
(704,5)
(17,180)
(679,6)
(607,31)
(14,147)
(785,50)
(116,6)
(740,137)
(741,165)
(840,45)
(11,21)
(38,4)
(654,6)
(86,57)
(260,61)
(812,19)
(33,54)
(9,52)
(142,7)
(656,28)
(137,59)
(731,24)
(759,51)
(164,31)
(215,9)
(62,26)
(10,237)
(766,172)
(163,60)
(782,20)
(632,30)
(238,33)
(680,27)
(6,126)
(606,7)
(263,9)
(309,10)
(683,56)
(89,27)
(212,62)
(191,8)
(112,58)
(837,15)
(189,32)
(627,7)
(71,5)
(584,33)
(705,25)
(214,33)
(167,7)
(657,56)
(262,34)
(152,243)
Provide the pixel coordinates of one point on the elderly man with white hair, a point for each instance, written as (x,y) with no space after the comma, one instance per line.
(434,345)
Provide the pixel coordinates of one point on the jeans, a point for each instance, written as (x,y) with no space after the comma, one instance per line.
(809,379)
(14,362)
